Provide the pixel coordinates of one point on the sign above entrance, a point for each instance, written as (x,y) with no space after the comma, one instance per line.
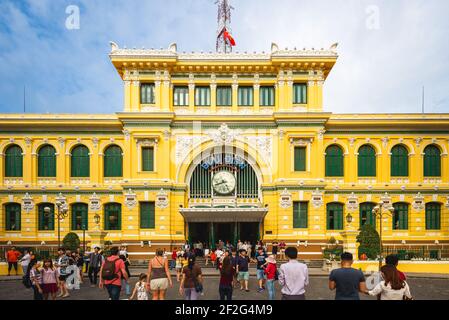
(227,159)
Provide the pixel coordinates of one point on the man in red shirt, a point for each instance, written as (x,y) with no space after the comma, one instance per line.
(113,282)
(174,256)
(393,260)
(12,256)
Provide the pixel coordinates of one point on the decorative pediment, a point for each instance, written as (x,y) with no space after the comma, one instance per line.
(317,198)
(418,202)
(94,203)
(223,135)
(386,200)
(352,203)
(130,199)
(27,203)
(162,199)
(147,141)
(301,141)
(285,199)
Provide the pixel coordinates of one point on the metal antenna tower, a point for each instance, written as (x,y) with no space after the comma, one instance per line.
(224,21)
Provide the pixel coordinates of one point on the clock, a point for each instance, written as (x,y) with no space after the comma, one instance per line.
(223,182)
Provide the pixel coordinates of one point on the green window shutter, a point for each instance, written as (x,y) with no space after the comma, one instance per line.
(300,159)
(147,93)
(366,214)
(400,216)
(266,96)
(13,161)
(432,161)
(433,216)
(113,216)
(147,159)
(334,216)
(300,214)
(202,96)
(224,96)
(399,161)
(113,162)
(47,161)
(245,96)
(147,215)
(80,162)
(299,93)
(181,96)
(12,217)
(79,216)
(366,161)
(334,164)
(46,222)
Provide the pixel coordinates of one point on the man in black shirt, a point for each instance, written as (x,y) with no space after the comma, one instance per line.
(242,270)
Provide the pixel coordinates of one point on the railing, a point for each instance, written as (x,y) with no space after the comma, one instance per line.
(419,253)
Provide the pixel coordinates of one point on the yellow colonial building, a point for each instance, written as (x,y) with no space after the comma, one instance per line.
(224,146)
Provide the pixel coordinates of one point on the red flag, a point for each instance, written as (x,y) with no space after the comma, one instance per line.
(228,36)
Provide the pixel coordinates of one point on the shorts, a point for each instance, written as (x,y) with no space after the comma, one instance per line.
(260,274)
(159,284)
(49,288)
(63,277)
(243,275)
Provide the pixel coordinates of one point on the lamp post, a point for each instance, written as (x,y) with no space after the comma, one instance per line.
(60,215)
(84,237)
(97,221)
(378,213)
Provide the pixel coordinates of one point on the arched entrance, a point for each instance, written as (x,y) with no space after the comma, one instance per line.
(224,198)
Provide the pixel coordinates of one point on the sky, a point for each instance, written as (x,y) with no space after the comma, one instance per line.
(388,49)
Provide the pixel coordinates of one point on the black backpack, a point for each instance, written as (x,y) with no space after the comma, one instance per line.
(108,272)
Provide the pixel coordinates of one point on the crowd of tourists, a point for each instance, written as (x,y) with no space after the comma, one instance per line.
(51,279)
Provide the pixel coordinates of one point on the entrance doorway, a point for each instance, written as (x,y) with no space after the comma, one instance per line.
(210,232)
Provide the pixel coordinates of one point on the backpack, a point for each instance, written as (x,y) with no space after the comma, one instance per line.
(276,275)
(108,272)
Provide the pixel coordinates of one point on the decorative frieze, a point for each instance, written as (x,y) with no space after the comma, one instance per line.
(94,203)
(317,199)
(130,199)
(285,199)
(418,202)
(162,199)
(27,203)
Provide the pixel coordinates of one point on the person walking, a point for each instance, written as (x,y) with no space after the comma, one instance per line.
(191,285)
(50,280)
(206,255)
(174,255)
(140,289)
(159,278)
(36,280)
(63,261)
(86,258)
(125,282)
(271,272)
(242,269)
(274,250)
(12,256)
(347,281)
(111,273)
(179,260)
(392,287)
(293,276)
(393,260)
(25,261)
(282,246)
(226,279)
(213,258)
(261,257)
(95,262)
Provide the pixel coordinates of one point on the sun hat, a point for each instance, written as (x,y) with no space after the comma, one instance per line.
(271,259)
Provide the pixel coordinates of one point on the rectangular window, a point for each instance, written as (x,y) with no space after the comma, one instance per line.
(300,212)
(224,96)
(147,159)
(299,93)
(400,216)
(202,96)
(267,96)
(147,215)
(147,93)
(300,158)
(181,96)
(245,97)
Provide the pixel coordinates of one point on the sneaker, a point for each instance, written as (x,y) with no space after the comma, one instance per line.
(66,295)
(260,289)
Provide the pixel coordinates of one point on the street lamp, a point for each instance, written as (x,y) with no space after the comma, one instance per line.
(348,218)
(97,220)
(84,237)
(378,213)
(62,213)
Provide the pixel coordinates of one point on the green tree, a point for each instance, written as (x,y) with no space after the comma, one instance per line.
(71,241)
(369,242)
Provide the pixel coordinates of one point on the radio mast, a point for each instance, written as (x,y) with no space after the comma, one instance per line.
(224,21)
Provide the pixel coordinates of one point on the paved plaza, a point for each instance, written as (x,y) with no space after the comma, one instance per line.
(421,288)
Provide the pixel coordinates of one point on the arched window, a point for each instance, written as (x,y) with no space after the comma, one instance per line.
(46,219)
(80,166)
(366,214)
(399,161)
(12,215)
(432,161)
(13,161)
(400,216)
(112,216)
(334,216)
(366,161)
(46,161)
(79,216)
(113,162)
(334,161)
(433,216)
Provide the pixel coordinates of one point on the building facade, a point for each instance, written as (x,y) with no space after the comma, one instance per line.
(229,146)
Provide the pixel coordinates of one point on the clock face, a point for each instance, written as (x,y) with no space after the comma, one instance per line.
(223,182)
